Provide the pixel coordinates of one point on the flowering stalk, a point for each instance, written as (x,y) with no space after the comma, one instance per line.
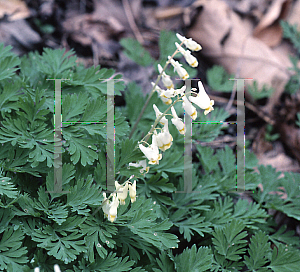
(162,140)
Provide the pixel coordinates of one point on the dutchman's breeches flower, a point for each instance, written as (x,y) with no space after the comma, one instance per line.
(180,91)
(105,205)
(122,192)
(168,93)
(190,59)
(110,209)
(113,211)
(163,120)
(143,164)
(167,81)
(164,139)
(167,101)
(202,100)
(183,74)
(189,108)
(177,122)
(151,152)
(132,191)
(189,43)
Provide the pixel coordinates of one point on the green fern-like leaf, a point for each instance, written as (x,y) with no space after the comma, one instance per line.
(135,51)
(258,250)
(291,32)
(12,254)
(218,79)
(194,260)
(229,241)
(8,62)
(284,259)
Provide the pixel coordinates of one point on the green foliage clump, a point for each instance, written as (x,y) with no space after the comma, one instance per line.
(165,229)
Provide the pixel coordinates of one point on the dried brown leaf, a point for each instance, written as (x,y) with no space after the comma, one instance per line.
(269,30)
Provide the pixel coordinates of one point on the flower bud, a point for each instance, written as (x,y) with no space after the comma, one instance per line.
(163,120)
(183,74)
(160,92)
(190,59)
(189,108)
(189,43)
(177,122)
(167,81)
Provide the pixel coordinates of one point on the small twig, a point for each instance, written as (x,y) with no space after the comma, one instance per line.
(261,114)
(264,61)
(131,21)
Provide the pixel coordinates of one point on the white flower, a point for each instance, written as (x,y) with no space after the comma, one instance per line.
(202,100)
(105,205)
(167,81)
(56,268)
(167,101)
(132,191)
(189,43)
(122,192)
(151,152)
(190,59)
(168,93)
(189,108)
(164,139)
(180,91)
(158,114)
(113,208)
(141,164)
(110,209)
(177,67)
(177,122)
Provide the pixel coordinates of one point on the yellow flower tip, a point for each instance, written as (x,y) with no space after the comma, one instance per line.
(153,162)
(171,86)
(210,108)
(194,64)
(168,102)
(122,202)
(198,47)
(185,76)
(112,218)
(147,169)
(194,115)
(182,131)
